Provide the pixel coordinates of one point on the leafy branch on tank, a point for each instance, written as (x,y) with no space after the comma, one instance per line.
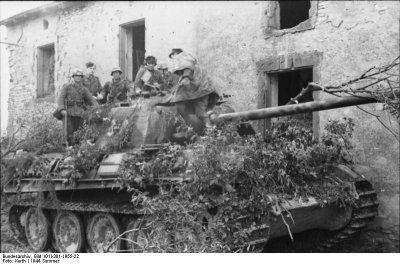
(237,176)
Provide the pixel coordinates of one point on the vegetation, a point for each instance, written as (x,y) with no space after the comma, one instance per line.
(234,182)
(35,130)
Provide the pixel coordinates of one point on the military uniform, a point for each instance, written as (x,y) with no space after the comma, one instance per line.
(117,89)
(170,80)
(196,96)
(92,83)
(74,98)
(155,77)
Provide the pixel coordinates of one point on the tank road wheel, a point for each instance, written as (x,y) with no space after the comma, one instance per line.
(16,220)
(68,232)
(37,229)
(137,240)
(102,229)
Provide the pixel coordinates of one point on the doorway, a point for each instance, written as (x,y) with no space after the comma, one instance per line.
(132,48)
(290,83)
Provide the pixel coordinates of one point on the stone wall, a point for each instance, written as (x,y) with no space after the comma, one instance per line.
(231,38)
(91,33)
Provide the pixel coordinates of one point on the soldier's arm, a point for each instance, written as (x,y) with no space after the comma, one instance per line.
(105,89)
(126,87)
(61,98)
(160,78)
(188,73)
(138,82)
(99,87)
(160,81)
(89,97)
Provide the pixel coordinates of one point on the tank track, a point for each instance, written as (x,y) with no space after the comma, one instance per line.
(257,239)
(364,212)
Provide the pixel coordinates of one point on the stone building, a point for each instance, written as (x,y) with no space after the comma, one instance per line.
(251,50)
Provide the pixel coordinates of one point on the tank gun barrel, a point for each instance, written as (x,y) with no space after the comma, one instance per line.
(286,110)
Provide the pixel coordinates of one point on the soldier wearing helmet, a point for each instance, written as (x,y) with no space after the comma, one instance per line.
(73,102)
(194,94)
(116,89)
(148,78)
(169,79)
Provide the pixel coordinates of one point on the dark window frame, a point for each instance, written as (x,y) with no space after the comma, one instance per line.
(271,20)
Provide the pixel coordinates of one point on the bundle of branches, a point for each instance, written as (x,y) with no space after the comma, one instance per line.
(237,177)
(103,132)
(381,83)
(141,168)
(35,130)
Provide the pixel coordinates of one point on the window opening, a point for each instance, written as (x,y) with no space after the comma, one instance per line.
(293,13)
(45,71)
(45,24)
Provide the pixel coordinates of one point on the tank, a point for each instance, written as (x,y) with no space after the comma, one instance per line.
(86,212)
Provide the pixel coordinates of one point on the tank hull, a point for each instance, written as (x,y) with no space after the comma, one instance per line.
(298,215)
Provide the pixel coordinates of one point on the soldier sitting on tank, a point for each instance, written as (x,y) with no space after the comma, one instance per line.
(149,79)
(194,93)
(170,79)
(73,102)
(117,89)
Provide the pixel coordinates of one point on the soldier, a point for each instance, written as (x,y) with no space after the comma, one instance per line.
(170,79)
(194,94)
(91,81)
(117,89)
(73,101)
(148,78)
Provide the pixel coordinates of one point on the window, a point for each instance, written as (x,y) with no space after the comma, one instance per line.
(45,24)
(45,71)
(283,17)
(293,13)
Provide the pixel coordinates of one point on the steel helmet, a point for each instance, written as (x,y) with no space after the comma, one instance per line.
(182,61)
(162,65)
(118,69)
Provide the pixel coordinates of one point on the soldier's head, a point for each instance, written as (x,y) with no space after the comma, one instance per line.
(151,62)
(162,66)
(77,75)
(90,67)
(116,72)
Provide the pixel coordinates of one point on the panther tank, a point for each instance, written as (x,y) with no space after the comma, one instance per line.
(69,211)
